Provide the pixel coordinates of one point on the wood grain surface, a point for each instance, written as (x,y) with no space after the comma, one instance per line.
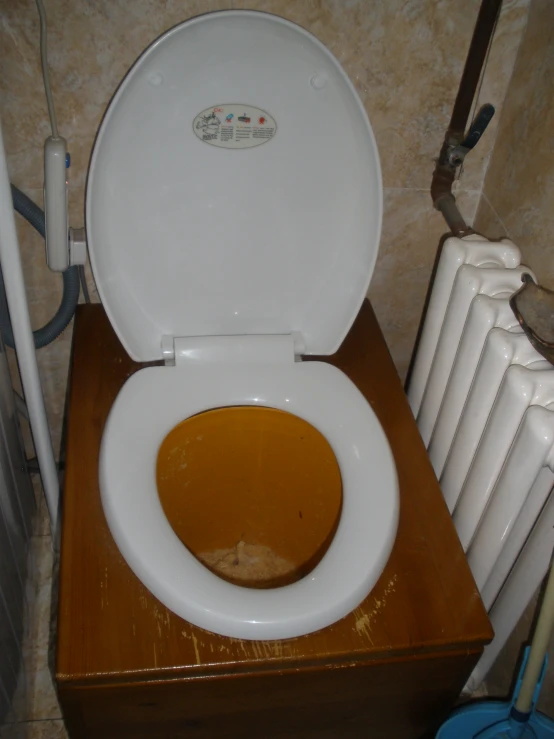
(403,698)
(113,634)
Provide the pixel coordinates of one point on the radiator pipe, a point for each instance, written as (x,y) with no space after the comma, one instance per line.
(445,171)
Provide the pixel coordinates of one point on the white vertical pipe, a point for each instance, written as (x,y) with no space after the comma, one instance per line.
(502,349)
(523,526)
(24,344)
(455,252)
(530,452)
(470,281)
(521,387)
(521,585)
(485,313)
(452,257)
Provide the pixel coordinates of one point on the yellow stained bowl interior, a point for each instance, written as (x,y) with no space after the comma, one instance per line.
(254,493)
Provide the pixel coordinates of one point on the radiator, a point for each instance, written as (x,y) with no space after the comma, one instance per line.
(483,399)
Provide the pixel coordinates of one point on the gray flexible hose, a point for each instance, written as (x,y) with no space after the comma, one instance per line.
(45,335)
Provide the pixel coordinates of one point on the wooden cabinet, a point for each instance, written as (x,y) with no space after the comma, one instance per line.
(128,667)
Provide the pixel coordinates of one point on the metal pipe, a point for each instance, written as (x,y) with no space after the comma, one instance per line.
(10,260)
(451,214)
(445,171)
(480,42)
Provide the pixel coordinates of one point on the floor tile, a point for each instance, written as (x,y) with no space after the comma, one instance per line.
(36,696)
(42,520)
(34,730)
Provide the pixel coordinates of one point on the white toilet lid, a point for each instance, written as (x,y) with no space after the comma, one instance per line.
(200,223)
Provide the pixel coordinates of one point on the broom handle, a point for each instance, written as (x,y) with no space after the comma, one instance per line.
(539,645)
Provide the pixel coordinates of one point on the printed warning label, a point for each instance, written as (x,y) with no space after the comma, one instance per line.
(234,126)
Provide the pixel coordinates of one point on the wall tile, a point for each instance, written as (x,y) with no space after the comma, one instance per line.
(520,180)
(487,221)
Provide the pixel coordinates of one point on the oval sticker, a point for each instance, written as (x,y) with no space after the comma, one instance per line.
(234,126)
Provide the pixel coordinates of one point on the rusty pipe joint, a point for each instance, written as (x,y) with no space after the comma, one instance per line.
(441,191)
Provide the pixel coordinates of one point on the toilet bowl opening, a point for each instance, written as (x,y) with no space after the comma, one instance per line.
(254,493)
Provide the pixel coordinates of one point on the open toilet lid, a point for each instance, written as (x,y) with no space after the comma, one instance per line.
(234,188)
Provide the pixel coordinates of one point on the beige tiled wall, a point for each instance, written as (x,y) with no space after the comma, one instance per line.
(518,201)
(519,186)
(405,58)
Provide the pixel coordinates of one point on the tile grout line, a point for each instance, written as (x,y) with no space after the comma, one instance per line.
(491,206)
(461,188)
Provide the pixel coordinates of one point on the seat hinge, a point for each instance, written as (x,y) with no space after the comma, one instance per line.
(259,348)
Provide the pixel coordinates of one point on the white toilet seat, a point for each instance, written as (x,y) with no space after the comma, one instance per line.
(156,399)
(230,261)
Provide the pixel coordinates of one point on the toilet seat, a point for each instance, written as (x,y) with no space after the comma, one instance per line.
(156,399)
(233,213)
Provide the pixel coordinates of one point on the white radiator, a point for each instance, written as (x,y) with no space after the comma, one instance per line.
(483,399)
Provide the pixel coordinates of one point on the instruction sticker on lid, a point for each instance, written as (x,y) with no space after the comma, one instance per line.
(234,126)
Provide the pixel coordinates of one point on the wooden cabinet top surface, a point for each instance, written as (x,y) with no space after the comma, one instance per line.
(111,629)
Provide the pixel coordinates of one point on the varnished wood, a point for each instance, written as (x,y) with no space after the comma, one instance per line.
(424,618)
(397,699)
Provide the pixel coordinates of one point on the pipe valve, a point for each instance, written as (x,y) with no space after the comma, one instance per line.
(457,153)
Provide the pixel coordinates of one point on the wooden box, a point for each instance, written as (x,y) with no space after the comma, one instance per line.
(127,667)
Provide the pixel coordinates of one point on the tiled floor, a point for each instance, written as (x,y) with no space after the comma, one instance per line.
(36,713)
